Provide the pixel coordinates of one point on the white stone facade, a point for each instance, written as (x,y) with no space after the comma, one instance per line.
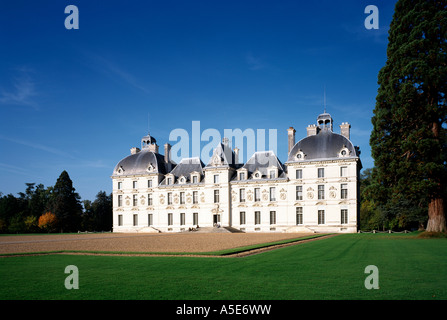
(306,194)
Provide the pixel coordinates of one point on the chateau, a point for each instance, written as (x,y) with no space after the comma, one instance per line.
(316,190)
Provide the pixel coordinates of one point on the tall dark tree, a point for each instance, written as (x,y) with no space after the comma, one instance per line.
(408,141)
(65,203)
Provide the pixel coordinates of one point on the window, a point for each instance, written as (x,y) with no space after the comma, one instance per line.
(343,171)
(216,196)
(149,199)
(242,176)
(135,219)
(120,185)
(272,194)
(120,201)
(242,217)
(344,216)
(135,200)
(257,217)
(257,194)
(170,222)
(242,195)
(182,219)
(320,216)
(320,172)
(150,219)
(299,192)
(272,217)
(195,197)
(272,174)
(194,179)
(182,198)
(169,181)
(299,215)
(321,192)
(195,218)
(344,191)
(169,197)
(299,174)
(149,183)
(216,178)
(135,184)
(120,219)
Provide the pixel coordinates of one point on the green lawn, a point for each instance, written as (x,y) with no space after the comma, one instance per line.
(409,268)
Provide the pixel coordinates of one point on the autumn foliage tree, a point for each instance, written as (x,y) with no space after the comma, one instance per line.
(48,221)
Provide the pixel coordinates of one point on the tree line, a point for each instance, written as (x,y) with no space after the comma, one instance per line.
(56,208)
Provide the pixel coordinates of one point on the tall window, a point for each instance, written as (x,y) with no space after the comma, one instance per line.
(120,201)
(242,195)
(194,179)
(182,219)
(216,178)
(149,183)
(195,218)
(120,185)
(257,217)
(299,174)
(320,172)
(149,199)
(216,196)
(135,184)
(150,219)
(242,217)
(170,222)
(135,200)
(299,215)
(272,217)
(272,174)
(344,216)
(169,197)
(257,194)
(195,197)
(182,198)
(320,216)
(299,192)
(272,194)
(169,180)
(321,192)
(120,219)
(135,219)
(343,171)
(242,176)
(344,191)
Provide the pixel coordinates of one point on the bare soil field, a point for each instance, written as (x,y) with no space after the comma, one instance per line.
(161,242)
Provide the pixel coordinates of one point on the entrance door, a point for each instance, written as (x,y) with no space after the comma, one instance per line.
(216,219)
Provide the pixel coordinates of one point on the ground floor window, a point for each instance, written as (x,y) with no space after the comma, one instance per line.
(135,219)
(299,215)
(150,219)
(242,217)
(272,217)
(120,219)
(170,222)
(257,217)
(320,216)
(182,219)
(195,218)
(344,216)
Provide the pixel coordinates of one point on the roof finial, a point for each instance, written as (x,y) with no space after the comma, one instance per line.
(324,98)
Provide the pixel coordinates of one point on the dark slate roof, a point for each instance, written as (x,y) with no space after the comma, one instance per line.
(187,166)
(262,160)
(138,163)
(324,145)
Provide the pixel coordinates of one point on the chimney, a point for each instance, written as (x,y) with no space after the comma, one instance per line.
(134,150)
(236,155)
(312,130)
(167,152)
(291,134)
(345,130)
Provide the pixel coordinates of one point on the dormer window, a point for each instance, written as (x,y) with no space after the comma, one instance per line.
(257,174)
(344,152)
(182,180)
(169,181)
(242,176)
(300,155)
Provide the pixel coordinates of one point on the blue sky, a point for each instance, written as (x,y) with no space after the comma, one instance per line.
(78,100)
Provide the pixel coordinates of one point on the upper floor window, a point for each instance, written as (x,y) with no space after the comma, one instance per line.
(242,176)
(272,194)
(242,195)
(257,194)
(343,171)
(120,185)
(299,174)
(195,197)
(135,184)
(216,196)
(216,178)
(344,191)
(182,198)
(194,179)
(169,181)
(321,192)
(149,183)
(320,172)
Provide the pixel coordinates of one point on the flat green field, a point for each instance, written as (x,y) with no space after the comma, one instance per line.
(334,268)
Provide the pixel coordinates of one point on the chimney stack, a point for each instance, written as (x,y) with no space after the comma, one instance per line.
(236,155)
(291,134)
(312,130)
(134,150)
(345,130)
(167,152)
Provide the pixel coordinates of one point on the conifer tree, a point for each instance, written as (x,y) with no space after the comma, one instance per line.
(408,141)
